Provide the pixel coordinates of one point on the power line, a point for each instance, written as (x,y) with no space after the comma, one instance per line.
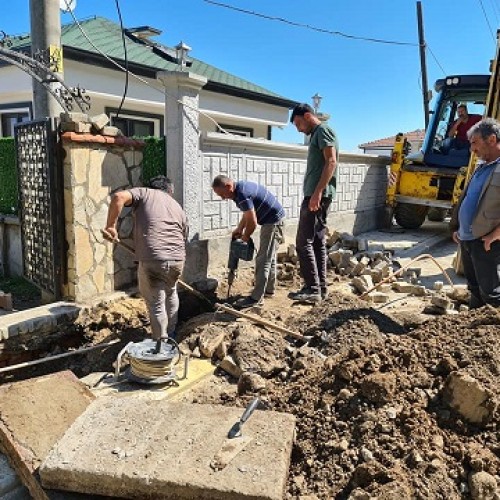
(486,18)
(495,10)
(308,26)
(125,90)
(118,65)
(435,59)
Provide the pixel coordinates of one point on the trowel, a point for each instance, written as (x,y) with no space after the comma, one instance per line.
(236,441)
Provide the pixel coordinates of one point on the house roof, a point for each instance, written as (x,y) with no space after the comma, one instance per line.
(146,60)
(388,142)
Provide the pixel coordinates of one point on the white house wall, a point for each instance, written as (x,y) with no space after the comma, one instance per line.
(105,87)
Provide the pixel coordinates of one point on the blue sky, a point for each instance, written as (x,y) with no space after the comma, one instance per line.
(371,90)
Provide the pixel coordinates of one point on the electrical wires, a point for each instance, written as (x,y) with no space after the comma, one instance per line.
(142,80)
(486,18)
(307,26)
(125,90)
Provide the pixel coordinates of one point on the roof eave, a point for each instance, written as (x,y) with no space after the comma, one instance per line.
(150,72)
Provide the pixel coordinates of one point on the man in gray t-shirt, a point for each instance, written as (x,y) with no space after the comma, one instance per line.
(160,232)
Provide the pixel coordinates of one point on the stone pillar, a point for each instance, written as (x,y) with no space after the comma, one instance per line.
(94,167)
(183,142)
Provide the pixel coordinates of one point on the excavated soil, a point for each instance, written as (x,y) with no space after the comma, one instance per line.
(373,420)
(369,396)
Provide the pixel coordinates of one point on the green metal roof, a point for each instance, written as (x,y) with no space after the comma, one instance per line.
(106,36)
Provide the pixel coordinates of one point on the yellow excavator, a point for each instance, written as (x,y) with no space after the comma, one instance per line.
(428,184)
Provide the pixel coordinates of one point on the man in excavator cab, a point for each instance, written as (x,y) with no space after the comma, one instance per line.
(457,135)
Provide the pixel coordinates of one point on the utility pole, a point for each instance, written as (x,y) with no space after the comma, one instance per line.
(423,65)
(46,39)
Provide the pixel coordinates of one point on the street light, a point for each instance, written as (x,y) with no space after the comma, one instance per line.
(181,52)
(316,100)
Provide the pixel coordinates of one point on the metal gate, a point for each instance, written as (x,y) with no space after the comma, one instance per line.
(41,205)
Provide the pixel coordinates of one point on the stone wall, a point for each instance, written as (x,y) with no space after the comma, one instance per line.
(11,254)
(94,167)
(361,186)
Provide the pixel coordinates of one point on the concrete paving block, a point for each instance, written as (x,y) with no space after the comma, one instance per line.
(111,131)
(34,414)
(99,121)
(438,285)
(419,290)
(402,287)
(379,298)
(159,449)
(440,301)
(74,117)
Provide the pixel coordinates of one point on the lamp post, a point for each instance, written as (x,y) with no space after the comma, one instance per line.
(181,52)
(316,100)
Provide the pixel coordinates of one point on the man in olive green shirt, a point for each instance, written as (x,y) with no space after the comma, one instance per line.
(319,190)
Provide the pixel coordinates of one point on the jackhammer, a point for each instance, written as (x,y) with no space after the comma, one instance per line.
(238,249)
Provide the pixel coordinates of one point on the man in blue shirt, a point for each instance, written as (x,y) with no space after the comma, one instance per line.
(259,206)
(476,222)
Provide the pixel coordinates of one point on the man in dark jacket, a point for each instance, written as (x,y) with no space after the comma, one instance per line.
(476,221)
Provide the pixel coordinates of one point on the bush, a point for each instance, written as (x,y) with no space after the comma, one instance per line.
(153,161)
(9,198)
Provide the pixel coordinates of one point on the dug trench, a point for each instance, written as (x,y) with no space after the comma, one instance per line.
(386,408)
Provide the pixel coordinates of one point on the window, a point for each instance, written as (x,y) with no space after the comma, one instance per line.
(136,124)
(131,127)
(236,130)
(10,119)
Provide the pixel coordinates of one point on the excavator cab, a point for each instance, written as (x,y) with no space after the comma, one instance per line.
(428,183)
(471,91)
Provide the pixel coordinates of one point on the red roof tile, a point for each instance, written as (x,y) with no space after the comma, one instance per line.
(415,135)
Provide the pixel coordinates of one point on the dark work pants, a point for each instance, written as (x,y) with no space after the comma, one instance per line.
(482,270)
(311,244)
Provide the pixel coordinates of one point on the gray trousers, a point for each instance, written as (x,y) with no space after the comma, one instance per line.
(271,235)
(158,286)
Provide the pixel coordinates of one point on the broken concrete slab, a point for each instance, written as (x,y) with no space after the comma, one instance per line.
(26,409)
(159,449)
(43,319)
(228,364)
(466,395)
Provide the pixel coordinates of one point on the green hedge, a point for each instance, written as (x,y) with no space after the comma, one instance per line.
(153,161)
(8,177)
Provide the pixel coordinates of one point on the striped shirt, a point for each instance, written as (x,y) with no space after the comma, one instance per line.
(252,196)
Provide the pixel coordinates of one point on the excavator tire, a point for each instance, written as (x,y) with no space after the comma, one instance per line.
(410,216)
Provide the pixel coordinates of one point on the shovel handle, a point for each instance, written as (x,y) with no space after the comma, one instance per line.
(249,410)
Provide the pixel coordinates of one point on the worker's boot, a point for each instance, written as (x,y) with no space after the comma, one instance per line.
(307,295)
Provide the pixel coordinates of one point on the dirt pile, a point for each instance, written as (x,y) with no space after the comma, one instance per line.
(125,319)
(381,408)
